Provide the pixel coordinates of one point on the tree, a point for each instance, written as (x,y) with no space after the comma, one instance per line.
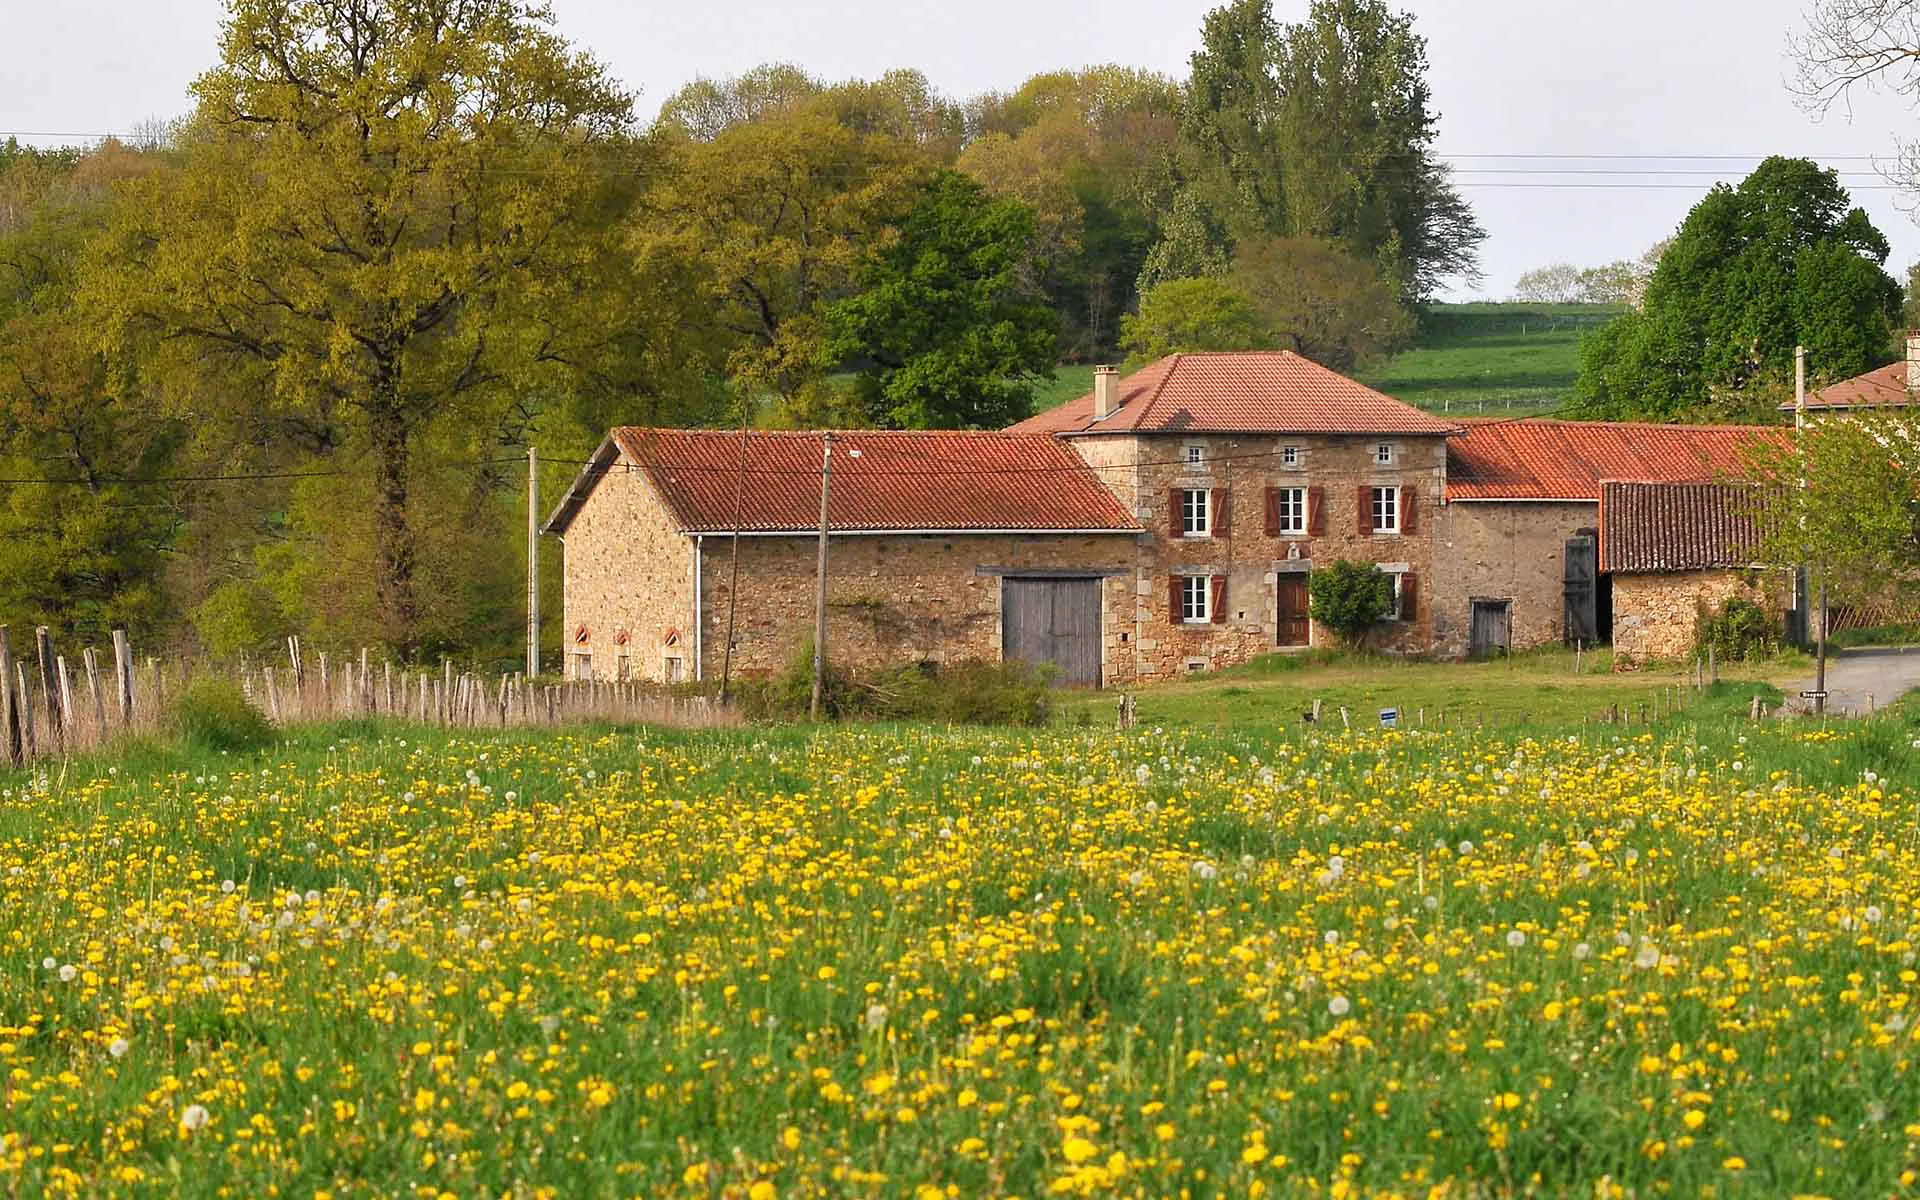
(1205,313)
(777,218)
(380,217)
(1191,245)
(1324,129)
(947,339)
(1321,302)
(1778,261)
(1557,283)
(1350,598)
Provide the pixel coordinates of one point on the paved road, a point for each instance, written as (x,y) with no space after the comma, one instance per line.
(1858,680)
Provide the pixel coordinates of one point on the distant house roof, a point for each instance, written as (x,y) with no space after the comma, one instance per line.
(1884,387)
(882,482)
(1274,391)
(1677,526)
(1537,459)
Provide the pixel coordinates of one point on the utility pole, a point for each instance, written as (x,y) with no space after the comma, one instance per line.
(733,574)
(533,561)
(1820,634)
(820,578)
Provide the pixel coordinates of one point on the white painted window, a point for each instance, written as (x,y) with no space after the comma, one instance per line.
(1383,454)
(1399,610)
(583,664)
(1196,516)
(1386,510)
(623,666)
(676,670)
(1196,599)
(1291,506)
(1292,456)
(1196,455)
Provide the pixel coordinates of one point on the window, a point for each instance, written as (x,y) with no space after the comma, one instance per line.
(1196,455)
(1383,454)
(1195,519)
(583,664)
(1196,596)
(1386,510)
(1290,456)
(676,670)
(1290,510)
(623,666)
(1399,610)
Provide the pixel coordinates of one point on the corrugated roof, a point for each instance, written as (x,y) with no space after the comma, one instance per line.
(885,480)
(1254,391)
(1677,526)
(1540,459)
(1885,387)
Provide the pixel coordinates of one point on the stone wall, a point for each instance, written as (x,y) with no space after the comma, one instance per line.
(1505,549)
(629,583)
(1143,471)
(1657,616)
(897,598)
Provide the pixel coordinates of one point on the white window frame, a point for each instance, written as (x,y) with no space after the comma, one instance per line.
(1390,495)
(1384,454)
(668,673)
(1292,457)
(583,664)
(1396,572)
(1292,524)
(1196,454)
(1196,516)
(1196,588)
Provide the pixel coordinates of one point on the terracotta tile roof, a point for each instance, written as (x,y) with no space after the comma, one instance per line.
(1886,386)
(946,481)
(1255,391)
(1538,459)
(1676,526)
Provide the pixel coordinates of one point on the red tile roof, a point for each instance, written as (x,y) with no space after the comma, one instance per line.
(1677,526)
(1538,459)
(1886,386)
(1240,392)
(907,481)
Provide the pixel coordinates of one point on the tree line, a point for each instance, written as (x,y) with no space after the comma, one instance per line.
(274,370)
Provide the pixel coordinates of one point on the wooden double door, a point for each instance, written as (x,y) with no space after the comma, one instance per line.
(1053,622)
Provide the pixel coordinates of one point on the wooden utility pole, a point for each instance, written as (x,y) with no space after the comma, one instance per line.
(820,578)
(733,573)
(533,561)
(1820,634)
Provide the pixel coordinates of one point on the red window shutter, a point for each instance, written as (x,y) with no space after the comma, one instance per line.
(1174,526)
(1174,615)
(1363,508)
(1273,512)
(1409,597)
(1219,600)
(1316,511)
(1222,503)
(1409,509)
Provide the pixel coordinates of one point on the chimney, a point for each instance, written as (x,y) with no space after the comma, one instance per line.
(1913,361)
(1106,386)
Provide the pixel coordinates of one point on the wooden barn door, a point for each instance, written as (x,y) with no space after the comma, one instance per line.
(1290,622)
(1053,621)
(1491,630)
(1580,587)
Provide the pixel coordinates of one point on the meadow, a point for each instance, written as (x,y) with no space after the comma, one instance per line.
(393,961)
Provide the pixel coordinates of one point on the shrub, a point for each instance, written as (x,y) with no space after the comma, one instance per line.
(1350,598)
(971,693)
(215,715)
(1740,630)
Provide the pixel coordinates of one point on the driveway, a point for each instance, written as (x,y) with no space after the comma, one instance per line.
(1861,680)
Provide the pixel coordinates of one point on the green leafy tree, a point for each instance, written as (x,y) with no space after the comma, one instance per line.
(1349,598)
(1781,260)
(1318,300)
(381,220)
(946,337)
(1191,245)
(1206,313)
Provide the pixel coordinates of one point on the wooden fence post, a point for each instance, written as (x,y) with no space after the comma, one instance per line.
(49,687)
(123,675)
(9,706)
(92,663)
(28,735)
(69,720)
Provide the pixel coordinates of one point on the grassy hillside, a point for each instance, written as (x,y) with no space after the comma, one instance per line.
(1504,359)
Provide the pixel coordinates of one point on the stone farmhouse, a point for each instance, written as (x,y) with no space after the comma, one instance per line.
(1167,522)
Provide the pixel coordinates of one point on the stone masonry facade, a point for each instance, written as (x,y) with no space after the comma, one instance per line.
(1657,616)
(898,598)
(1334,475)
(1513,550)
(629,586)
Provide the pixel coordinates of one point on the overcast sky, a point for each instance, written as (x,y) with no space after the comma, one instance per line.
(1510,78)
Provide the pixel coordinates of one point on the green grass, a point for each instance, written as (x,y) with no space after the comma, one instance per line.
(1496,359)
(1538,690)
(1070,382)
